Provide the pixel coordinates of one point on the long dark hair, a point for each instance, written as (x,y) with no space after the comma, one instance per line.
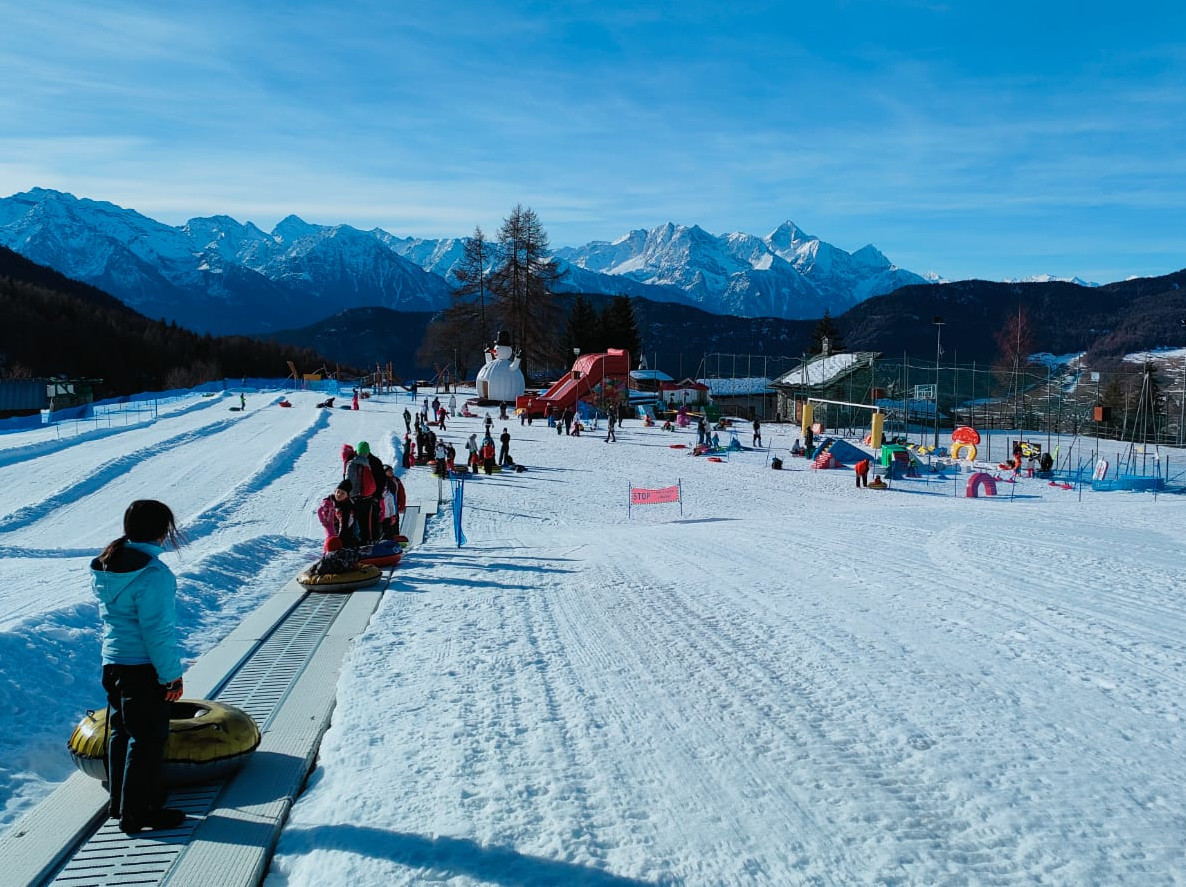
(145,520)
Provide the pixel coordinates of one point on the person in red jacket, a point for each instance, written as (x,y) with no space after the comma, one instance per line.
(488,454)
(862,470)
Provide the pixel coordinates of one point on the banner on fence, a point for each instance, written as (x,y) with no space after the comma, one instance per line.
(660,496)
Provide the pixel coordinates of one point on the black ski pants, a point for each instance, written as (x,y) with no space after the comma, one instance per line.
(138,720)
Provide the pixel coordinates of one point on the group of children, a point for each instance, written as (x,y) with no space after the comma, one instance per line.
(365,506)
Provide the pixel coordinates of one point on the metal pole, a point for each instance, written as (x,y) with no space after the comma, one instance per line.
(1182,401)
(1096,422)
(938,322)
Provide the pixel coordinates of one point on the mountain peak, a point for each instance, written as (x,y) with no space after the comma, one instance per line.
(788,236)
(871,257)
(293,227)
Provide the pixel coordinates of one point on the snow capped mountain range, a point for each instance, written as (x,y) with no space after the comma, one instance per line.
(218,275)
(1050,278)
(786,274)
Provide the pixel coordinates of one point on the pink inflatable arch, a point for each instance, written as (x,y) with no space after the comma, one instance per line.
(978,480)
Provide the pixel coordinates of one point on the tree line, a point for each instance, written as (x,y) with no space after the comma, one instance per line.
(53,326)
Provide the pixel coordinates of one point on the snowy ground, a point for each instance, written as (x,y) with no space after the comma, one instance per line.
(794,682)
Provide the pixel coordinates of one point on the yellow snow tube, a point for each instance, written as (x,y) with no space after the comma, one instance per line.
(207,740)
(366,574)
(971,448)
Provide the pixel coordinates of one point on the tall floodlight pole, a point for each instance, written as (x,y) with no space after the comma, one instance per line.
(1095,377)
(938,322)
(1182,400)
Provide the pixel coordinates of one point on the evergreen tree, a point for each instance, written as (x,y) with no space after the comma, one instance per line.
(462,331)
(583,329)
(471,272)
(521,287)
(619,329)
(826,328)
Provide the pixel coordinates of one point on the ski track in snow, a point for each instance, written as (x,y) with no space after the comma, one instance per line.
(15,455)
(23,517)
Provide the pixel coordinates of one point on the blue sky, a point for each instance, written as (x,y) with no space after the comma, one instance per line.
(972,139)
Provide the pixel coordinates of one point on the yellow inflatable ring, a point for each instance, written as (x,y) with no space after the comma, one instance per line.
(207,740)
(366,574)
(971,448)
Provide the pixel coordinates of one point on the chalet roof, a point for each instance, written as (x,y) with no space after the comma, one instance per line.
(752,385)
(649,376)
(685,385)
(823,369)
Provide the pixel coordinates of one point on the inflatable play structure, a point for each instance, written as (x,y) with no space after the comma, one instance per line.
(965,439)
(876,420)
(588,372)
(835,453)
(207,741)
(980,480)
(500,380)
(896,460)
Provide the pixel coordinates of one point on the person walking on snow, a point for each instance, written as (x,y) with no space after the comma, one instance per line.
(757,433)
(407,421)
(609,424)
(141,664)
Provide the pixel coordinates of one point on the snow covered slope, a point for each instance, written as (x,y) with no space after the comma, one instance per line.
(791,682)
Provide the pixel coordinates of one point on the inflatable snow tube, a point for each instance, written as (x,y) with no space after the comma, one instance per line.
(381,554)
(207,741)
(364,575)
(978,480)
(960,445)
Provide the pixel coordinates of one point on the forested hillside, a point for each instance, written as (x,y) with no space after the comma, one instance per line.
(54,326)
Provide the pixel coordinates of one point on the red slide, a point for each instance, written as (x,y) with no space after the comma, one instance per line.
(587,372)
